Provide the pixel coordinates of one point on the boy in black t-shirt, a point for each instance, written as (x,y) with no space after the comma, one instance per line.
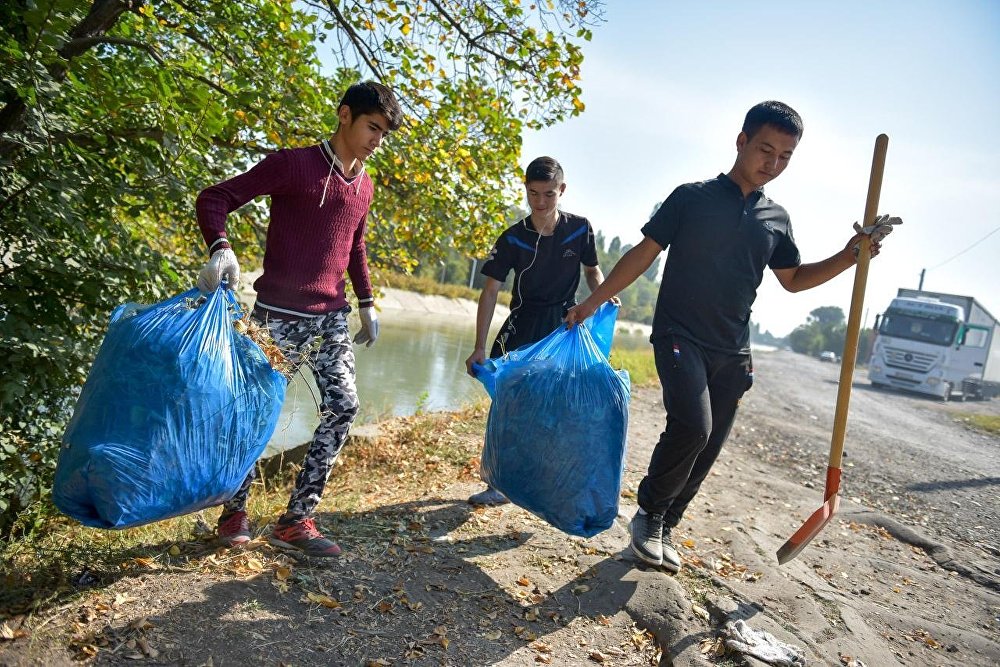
(722,234)
(545,251)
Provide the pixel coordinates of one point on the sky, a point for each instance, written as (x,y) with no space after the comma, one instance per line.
(667,84)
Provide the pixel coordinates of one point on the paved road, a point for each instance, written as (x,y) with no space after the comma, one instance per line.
(909,456)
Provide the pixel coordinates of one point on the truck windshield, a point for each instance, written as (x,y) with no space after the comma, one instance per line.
(936,331)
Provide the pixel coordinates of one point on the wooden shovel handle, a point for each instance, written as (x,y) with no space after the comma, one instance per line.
(849,358)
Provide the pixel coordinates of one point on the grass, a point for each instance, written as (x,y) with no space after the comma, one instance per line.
(639,363)
(412,456)
(988,423)
(430,286)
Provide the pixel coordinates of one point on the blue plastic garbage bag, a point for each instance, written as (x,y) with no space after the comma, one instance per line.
(556,432)
(176,409)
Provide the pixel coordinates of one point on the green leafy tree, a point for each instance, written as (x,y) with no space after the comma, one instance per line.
(824,329)
(115,113)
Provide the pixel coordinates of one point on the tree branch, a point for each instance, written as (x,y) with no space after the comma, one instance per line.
(102,16)
(84,43)
(364,52)
(472,41)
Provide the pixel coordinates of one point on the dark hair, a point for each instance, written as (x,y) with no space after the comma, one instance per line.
(778,114)
(543,169)
(368,97)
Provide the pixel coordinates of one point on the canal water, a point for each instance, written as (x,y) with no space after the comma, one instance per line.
(417,364)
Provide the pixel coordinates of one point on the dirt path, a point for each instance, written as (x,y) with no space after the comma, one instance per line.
(901,579)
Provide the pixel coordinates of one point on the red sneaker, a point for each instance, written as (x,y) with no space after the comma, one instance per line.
(234,529)
(303,536)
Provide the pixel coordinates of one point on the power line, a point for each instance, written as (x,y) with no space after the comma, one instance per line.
(937,266)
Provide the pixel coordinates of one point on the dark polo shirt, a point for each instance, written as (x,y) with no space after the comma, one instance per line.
(551,277)
(718,245)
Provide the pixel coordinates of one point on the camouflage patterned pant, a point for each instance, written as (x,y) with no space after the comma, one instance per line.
(324,345)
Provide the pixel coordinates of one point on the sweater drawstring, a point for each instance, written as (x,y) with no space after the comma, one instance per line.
(326,184)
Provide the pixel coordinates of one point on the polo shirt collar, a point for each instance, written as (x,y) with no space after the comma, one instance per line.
(730,183)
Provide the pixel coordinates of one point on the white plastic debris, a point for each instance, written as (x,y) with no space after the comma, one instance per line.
(739,636)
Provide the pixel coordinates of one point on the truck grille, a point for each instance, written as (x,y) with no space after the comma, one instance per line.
(909,360)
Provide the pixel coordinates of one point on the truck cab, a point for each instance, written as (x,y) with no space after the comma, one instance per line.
(919,348)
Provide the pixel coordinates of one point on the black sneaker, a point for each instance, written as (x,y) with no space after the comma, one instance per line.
(671,559)
(646,531)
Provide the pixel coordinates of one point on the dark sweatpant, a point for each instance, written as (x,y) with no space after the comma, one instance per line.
(701,391)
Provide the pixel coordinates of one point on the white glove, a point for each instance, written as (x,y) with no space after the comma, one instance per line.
(222,265)
(369,327)
(880,228)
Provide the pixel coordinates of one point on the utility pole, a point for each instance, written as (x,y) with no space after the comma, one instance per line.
(472,273)
(920,287)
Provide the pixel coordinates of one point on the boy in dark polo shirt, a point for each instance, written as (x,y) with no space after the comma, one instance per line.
(545,251)
(320,196)
(722,233)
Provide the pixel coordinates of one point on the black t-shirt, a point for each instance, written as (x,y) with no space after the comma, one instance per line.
(551,276)
(719,244)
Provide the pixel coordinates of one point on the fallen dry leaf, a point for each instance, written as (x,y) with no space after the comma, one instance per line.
(597,656)
(8,633)
(493,635)
(324,600)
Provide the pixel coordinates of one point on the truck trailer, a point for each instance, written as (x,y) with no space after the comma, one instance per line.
(944,345)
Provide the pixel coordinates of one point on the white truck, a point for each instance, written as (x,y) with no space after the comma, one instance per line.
(944,345)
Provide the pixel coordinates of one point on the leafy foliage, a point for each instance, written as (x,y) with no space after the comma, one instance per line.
(825,329)
(114,114)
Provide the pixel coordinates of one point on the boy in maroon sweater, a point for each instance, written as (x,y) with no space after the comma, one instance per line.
(320,196)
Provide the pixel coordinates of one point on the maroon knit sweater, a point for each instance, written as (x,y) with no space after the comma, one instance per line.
(308,247)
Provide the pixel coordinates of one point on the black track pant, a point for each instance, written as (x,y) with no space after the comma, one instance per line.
(701,391)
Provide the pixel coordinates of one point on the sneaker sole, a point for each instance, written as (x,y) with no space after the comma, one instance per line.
(670,567)
(274,541)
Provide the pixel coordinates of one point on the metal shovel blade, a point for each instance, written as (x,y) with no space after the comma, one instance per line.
(814,524)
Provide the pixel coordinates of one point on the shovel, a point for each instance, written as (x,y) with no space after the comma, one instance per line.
(815,523)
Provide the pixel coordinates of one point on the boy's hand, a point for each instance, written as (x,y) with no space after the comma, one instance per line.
(477,357)
(854,246)
(578,313)
(223,264)
(368,332)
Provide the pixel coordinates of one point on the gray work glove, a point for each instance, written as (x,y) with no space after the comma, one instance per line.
(223,264)
(880,228)
(368,332)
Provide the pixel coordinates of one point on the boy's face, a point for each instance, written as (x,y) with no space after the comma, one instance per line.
(761,159)
(362,135)
(543,196)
